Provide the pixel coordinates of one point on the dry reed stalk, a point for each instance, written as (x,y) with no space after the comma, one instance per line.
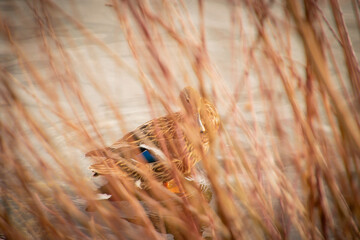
(284,165)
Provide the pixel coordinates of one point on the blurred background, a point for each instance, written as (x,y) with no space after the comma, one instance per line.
(284,76)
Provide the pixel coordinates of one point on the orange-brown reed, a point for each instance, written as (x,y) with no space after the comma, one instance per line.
(292,172)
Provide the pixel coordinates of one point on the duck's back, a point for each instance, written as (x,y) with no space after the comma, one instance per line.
(152,143)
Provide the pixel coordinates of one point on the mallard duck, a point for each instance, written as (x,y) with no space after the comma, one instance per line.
(172,137)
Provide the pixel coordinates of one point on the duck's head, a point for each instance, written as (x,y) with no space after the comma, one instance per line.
(192,103)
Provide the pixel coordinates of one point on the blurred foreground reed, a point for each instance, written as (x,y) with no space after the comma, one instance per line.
(283,75)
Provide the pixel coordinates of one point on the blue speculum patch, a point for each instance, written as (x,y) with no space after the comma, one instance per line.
(147,155)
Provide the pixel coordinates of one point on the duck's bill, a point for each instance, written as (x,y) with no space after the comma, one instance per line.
(201,125)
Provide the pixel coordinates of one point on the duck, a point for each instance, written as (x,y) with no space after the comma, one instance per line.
(178,139)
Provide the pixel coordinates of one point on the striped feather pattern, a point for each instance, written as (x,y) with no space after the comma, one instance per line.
(165,139)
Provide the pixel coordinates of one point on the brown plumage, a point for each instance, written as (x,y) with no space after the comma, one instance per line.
(149,147)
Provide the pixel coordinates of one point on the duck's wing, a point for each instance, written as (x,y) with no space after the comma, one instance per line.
(107,166)
(149,160)
(98,153)
(136,149)
(130,146)
(121,167)
(151,140)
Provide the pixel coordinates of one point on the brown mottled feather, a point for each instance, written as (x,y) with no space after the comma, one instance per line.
(164,138)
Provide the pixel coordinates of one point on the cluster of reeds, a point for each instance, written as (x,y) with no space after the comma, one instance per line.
(284,165)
